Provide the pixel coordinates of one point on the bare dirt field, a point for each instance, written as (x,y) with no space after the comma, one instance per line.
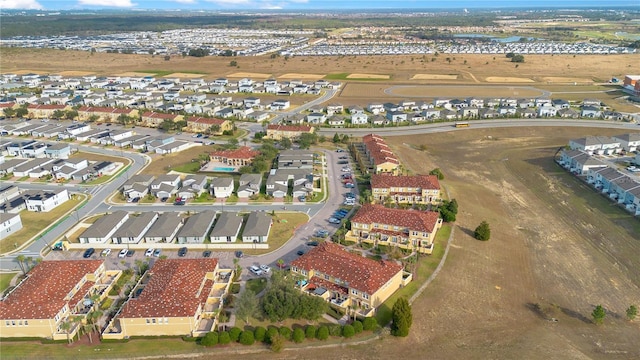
(301,76)
(183,75)
(133,73)
(433,77)
(76,73)
(433,91)
(502,79)
(161,164)
(554,241)
(367,76)
(556,79)
(249,75)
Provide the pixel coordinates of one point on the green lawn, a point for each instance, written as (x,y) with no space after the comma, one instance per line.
(282,230)
(188,168)
(427,264)
(256,285)
(5,279)
(36,222)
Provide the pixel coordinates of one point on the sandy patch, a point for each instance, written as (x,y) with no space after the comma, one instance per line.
(301,76)
(76,73)
(367,76)
(133,73)
(249,75)
(23,72)
(183,75)
(556,79)
(502,79)
(433,77)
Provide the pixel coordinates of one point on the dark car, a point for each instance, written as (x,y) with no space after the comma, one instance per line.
(206,253)
(313,243)
(182,252)
(343,162)
(300,252)
(87,254)
(135,199)
(164,199)
(239,254)
(130,253)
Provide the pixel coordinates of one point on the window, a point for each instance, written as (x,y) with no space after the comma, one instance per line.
(354,291)
(365,296)
(153,321)
(385,227)
(148,321)
(26,323)
(395,228)
(7,323)
(326,277)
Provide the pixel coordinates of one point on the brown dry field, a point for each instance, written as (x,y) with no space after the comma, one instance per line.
(554,241)
(367,76)
(401,68)
(367,91)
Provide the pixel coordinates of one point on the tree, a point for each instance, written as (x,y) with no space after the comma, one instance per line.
(298,335)
(199,52)
(123,119)
(58,114)
(71,114)
(167,125)
(277,343)
(632,312)
(66,327)
(369,324)
(310,332)
(598,314)
(323,333)
(357,326)
(437,172)
(9,112)
(224,338)
(306,140)
(22,111)
(285,332)
(233,63)
(447,215)
(21,262)
(336,138)
(247,338)
(259,333)
(510,55)
(517,59)
(93,118)
(234,333)
(272,332)
(401,318)
(285,143)
(348,331)
(247,305)
(211,339)
(482,232)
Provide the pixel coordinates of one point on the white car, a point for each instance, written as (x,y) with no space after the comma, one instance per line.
(345,170)
(105,252)
(265,268)
(256,270)
(149,252)
(123,253)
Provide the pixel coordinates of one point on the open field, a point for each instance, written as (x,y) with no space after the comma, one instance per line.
(433,77)
(367,76)
(434,91)
(301,76)
(75,73)
(501,79)
(134,73)
(249,75)
(162,164)
(556,79)
(184,75)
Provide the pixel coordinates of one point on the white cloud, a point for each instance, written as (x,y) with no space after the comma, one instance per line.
(20,4)
(255,4)
(186,1)
(231,3)
(108,3)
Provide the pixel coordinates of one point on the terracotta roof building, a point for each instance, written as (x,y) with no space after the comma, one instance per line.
(52,292)
(208,125)
(242,156)
(406,229)
(379,156)
(44,111)
(277,132)
(107,114)
(181,297)
(345,279)
(414,189)
(154,119)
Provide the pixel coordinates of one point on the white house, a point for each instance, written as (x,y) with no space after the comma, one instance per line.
(226,228)
(132,231)
(222,187)
(359,119)
(9,224)
(46,200)
(100,232)
(257,228)
(629,142)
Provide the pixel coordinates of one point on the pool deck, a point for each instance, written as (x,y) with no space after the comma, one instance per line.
(212,165)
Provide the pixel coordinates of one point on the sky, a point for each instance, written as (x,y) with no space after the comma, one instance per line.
(302,4)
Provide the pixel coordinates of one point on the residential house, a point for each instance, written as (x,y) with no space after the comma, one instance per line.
(280,104)
(293,132)
(165,229)
(414,189)
(242,156)
(347,280)
(628,142)
(193,186)
(406,229)
(9,224)
(58,150)
(221,187)
(604,177)
(106,114)
(137,186)
(379,155)
(621,187)
(52,294)
(208,125)
(154,119)
(181,298)
(359,118)
(316,118)
(27,149)
(567,113)
(196,228)
(579,162)
(336,121)
(132,231)
(101,231)
(44,111)
(296,159)
(165,186)
(396,116)
(257,227)
(37,167)
(601,145)
(249,185)
(226,228)
(77,129)
(173,147)
(44,200)
(590,112)
(10,165)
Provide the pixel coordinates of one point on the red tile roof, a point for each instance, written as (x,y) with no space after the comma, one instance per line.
(207,121)
(7,105)
(42,295)
(414,220)
(172,291)
(244,152)
(378,149)
(414,181)
(359,272)
(156,115)
(300,128)
(108,110)
(46,107)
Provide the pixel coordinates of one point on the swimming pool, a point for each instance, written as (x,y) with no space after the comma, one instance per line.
(224,169)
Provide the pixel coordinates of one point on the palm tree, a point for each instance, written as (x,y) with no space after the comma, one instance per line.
(28,260)
(92,323)
(66,326)
(21,259)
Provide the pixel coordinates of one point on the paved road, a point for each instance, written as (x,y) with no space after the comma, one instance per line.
(328,94)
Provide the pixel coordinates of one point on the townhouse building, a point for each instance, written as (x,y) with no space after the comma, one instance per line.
(293,132)
(413,189)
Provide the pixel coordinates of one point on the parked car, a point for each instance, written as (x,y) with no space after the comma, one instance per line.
(334,220)
(322,233)
(339,150)
(157,252)
(239,254)
(164,199)
(256,270)
(349,185)
(265,268)
(183,251)
(130,253)
(206,253)
(105,252)
(313,243)
(300,252)
(122,253)
(149,252)
(343,162)
(87,254)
